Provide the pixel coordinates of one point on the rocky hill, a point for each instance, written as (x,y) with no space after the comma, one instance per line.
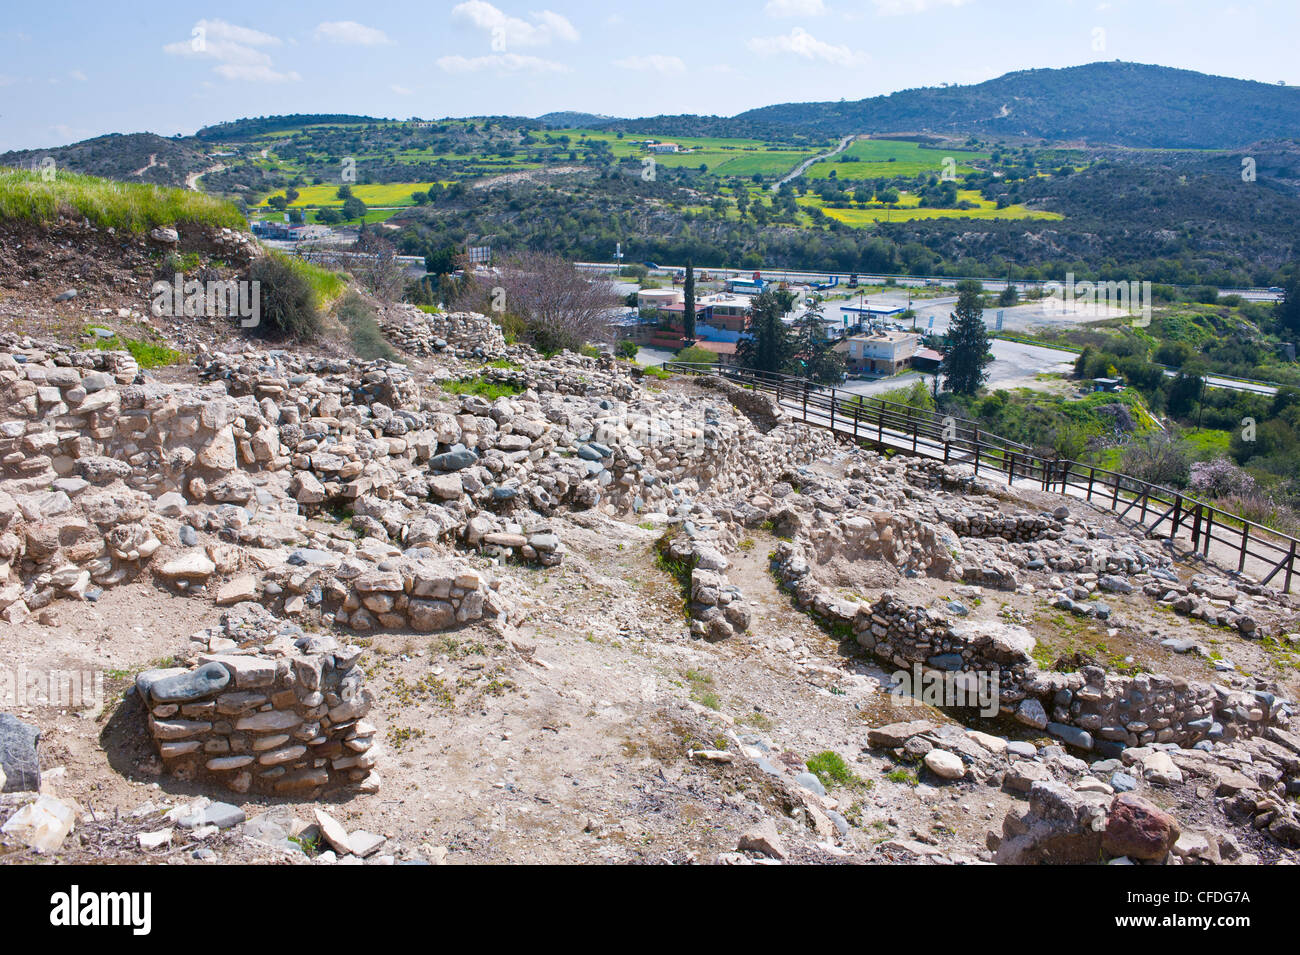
(483,605)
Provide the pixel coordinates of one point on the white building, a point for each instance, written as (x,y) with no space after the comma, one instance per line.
(881,353)
(659,297)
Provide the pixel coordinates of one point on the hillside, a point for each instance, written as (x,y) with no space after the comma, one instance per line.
(1129,104)
(129,157)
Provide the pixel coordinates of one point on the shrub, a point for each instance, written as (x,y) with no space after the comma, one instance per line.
(628,349)
(1157,460)
(363,331)
(289,303)
(696,354)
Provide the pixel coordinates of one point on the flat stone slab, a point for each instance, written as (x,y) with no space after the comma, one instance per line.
(188,684)
(20,767)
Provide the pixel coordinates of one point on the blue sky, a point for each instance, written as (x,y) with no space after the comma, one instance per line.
(71,70)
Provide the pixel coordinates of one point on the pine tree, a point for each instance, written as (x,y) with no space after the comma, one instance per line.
(769,345)
(1288,310)
(688,290)
(820,361)
(963,366)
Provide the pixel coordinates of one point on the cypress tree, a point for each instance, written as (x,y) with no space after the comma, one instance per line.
(963,367)
(689,301)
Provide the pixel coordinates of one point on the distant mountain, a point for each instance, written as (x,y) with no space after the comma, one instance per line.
(568,119)
(1128,104)
(130,157)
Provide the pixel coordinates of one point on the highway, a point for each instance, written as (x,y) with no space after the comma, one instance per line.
(803,276)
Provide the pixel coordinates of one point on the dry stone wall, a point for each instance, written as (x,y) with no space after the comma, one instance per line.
(265,708)
(1091,709)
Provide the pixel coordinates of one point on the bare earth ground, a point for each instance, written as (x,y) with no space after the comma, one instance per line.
(570,742)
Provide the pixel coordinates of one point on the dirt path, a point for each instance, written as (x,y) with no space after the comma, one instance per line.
(192,180)
(803,167)
(153,161)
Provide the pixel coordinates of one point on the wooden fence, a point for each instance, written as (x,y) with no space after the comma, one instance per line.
(1162,512)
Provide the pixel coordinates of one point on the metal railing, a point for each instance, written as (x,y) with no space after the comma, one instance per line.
(1160,511)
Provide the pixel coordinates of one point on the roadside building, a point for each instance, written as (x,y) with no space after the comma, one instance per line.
(745,286)
(658,298)
(722,311)
(878,353)
(927,359)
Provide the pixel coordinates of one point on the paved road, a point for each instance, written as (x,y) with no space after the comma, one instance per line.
(913,281)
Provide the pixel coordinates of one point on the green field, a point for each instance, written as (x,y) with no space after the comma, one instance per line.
(886,158)
(385,194)
(724,157)
(906,209)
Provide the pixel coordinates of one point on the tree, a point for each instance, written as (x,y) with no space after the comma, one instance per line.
(375,265)
(1009,297)
(353,208)
(688,292)
(963,367)
(551,304)
(820,361)
(440,261)
(1288,310)
(769,345)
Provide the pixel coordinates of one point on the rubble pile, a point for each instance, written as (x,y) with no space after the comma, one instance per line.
(465,335)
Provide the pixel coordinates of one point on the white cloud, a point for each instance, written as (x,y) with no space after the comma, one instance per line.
(77,75)
(800,42)
(235,49)
(653,62)
(350,33)
(795,8)
(401,90)
(508,31)
(500,63)
(894,8)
